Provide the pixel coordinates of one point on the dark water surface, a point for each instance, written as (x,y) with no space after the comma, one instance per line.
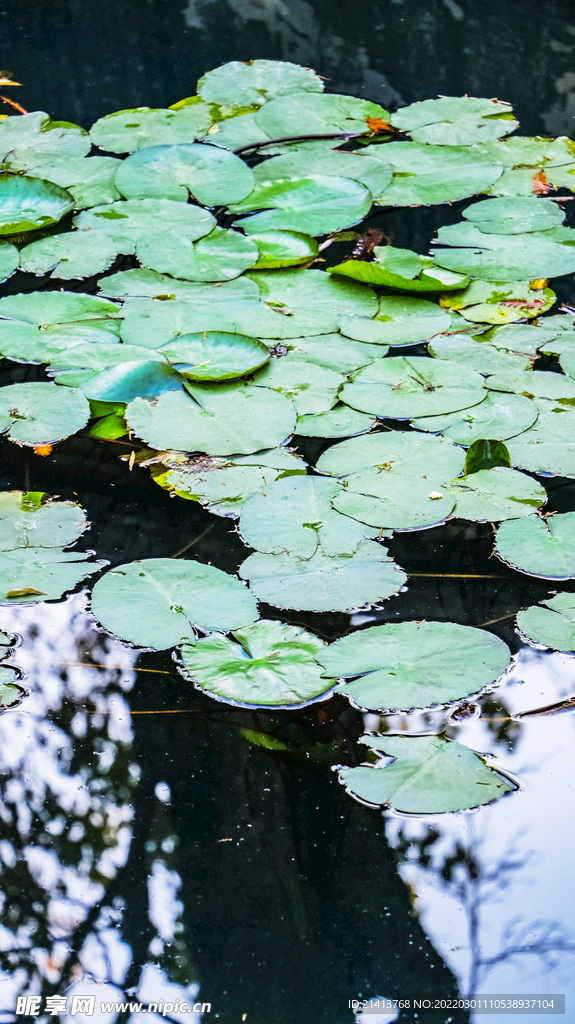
(146,847)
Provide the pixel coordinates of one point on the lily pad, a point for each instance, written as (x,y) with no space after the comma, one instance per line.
(523,338)
(402,270)
(25,138)
(341,421)
(295,515)
(215,355)
(402,320)
(124,381)
(217,420)
(424,174)
(312,388)
(90,181)
(534,384)
(128,221)
(323,583)
(240,83)
(40,413)
(524,158)
(219,256)
(159,602)
(408,387)
(32,519)
(30,575)
(429,775)
(75,254)
(29,203)
(499,417)
(549,445)
(10,693)
(476,355)
(314,291)
(268,664)
(309,114)
(311,158)
(236,132)
(501,302)
(30,343)
(492,495)
(315,205)
(492,257)
(9,260)
(394,501)
(404,665)
(514,216)
(45,308)
(334,352)
(210,174)
(455,120)
(539,547)
(126,131)
(553,626)
(410,454)
(284,249)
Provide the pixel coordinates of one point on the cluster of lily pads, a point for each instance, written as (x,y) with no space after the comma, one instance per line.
(224,338)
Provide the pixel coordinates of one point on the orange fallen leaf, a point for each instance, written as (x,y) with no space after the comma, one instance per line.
(42,449)
(225,840)
(377,124)
(24,592)
(541,184)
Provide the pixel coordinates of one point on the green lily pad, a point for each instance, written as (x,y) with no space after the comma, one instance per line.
(549,445)
(9,260)
(125,381)
(567,361)
(101,355)
(155,324)
(32,519)
(126,131)
(215,355)
(522,257)
(539,547)
(311,158)
(75,254)
(314,291)
(30,343)
(488,302)
(410,454)
(315,205)
(268,664)
(476,355)
(553,626)
(499,417)
(159,602)
(312,388)
(534,384)
(26,138)
(40,413)
(236,132)
(29,203)
(217,420)
(525,339)
(424,174)
(309,114)
(341,421)
(492,495)
(128,221)
(402,270)
(210,174)
(284,249)
(514,216)
(523,158)
(323,583)
(404,665)
(45,308)
(394,501)
(240,83)
(90,182)
(455,120)
(402,320)
(430,775)
(295,515)
(334,352)
(219,256)
(10,693)
(31,575)
(408,387)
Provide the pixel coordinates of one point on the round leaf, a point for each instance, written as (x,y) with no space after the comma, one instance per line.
(312,388)
(28,203)
(502,257)
(41,413)
(455,120)
(27,342)
(552,626)
(128,130)
(75,254)
(211,175)
(402,270)
(315,205)
(499,416)
(9,260)
(341,421)
(393,501)
(44,308)
(534,384)
(128,221)
(410,454)
(549,445)
(284,249)
(219,256)
(314,291)
(425,174)
(158,602)
(401,321)
(492,495)
(215,355)
(311,158)
(539,547)
(407,387)
(31,575)
(31,519)
(307,114)
(476,355)
(242,84)
(514,216)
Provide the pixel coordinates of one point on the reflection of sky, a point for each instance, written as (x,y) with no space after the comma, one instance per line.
(66,813)
(524,903)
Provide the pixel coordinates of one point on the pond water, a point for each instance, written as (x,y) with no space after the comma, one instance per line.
(149,851)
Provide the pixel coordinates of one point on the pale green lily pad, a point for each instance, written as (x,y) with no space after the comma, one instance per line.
(236,132)
(90,182)
(40,413)
(499,302)
(269,665)
(25,138)
(218,421)
(402,270)
(141,289)
(284,249)
(202,479)
(522,257)
(29,203)
(553,626)
(9,260)
(402,320)
(341,421)
(155,324)
(499,417)
(45,308)
(411,454)
(323,583)
(212,175)
(404,665)
(476,355)
(215,355)
(128,221)
(30,343)
(539,547)
(430,775)
(124,381)
(219,256)
(30,575)
(334,352)
(10,693)
(394,501)
(309,114)
(101,355)
(311,158)
(524,157)
(524,338)
(315,205)
(314,291)
(312,388)
(240,83)
(295,515)
(549,445)
(407,387)
(32,519)
(75,254)
(424,174)
(514,216)
(126,131)
(492,495)
(534,384)
(455,120)
(567,361)
(158,602)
